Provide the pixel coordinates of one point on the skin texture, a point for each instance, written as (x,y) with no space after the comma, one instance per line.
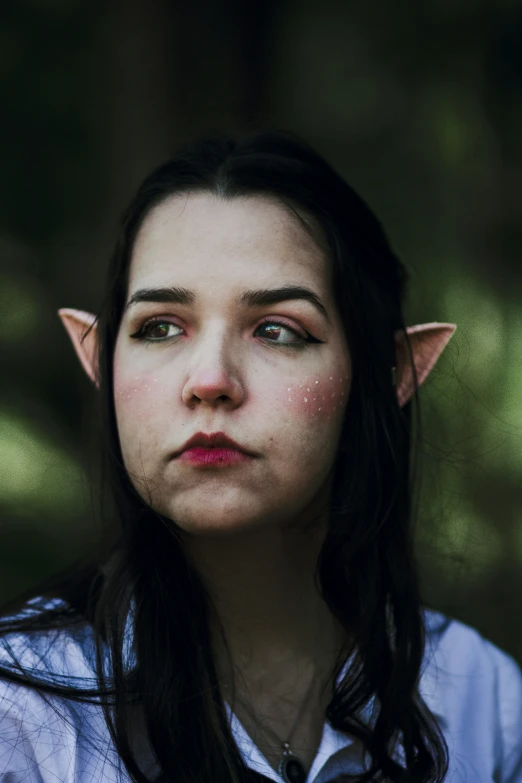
(286,405)
(245,527)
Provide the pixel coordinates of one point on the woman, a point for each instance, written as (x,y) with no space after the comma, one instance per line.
(257,614)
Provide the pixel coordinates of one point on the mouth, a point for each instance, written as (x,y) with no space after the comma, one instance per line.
(212,442)
(217,456)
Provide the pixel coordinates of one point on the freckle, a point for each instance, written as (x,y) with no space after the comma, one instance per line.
(305,399)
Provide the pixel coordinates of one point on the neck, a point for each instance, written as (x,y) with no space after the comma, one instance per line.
(262,588)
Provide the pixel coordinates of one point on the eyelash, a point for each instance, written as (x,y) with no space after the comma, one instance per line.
(140,334)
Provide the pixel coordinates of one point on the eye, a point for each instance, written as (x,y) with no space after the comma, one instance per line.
(157,323)
(282,326)
(154,323)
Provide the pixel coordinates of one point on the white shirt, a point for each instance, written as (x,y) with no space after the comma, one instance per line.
(473,688)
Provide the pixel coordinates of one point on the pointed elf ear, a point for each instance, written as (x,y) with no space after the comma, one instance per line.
(427,343)
(86,346)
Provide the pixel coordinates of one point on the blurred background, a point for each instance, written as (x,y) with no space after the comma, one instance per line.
(418,105)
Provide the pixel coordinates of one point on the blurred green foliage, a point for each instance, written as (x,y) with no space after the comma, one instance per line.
(418,105)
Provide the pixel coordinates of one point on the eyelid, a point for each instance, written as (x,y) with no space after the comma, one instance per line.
(153,318)
(300,330)
(284,322)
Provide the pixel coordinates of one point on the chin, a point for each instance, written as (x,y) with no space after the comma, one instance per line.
(220,524)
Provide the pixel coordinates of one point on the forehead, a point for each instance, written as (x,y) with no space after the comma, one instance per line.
(207,239)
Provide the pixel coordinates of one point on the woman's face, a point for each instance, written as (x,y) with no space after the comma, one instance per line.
(221,365)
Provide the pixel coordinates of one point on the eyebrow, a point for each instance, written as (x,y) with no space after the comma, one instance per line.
(255,297)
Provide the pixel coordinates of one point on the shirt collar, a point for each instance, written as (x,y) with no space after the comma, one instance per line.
(334,742)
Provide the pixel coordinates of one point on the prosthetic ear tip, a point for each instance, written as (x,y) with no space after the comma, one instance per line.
(434,326)
(79,315)
(428,341)
(81,327)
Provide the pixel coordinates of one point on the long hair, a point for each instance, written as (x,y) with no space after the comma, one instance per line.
(366,570)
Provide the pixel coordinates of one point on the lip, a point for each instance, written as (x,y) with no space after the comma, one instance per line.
(214,458)
(211,441)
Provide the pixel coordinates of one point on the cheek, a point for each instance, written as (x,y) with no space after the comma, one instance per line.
(136,398)
(318,398)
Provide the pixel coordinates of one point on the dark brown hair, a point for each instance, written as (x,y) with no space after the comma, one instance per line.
(366,570)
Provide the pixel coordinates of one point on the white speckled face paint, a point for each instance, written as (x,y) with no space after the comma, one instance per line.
(217,365)
(320,397)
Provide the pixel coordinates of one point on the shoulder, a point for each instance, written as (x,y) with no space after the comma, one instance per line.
(459,650)
(54,652)
(39,733)
(477,690)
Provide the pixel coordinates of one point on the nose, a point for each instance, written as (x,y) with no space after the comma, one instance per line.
(214,375)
